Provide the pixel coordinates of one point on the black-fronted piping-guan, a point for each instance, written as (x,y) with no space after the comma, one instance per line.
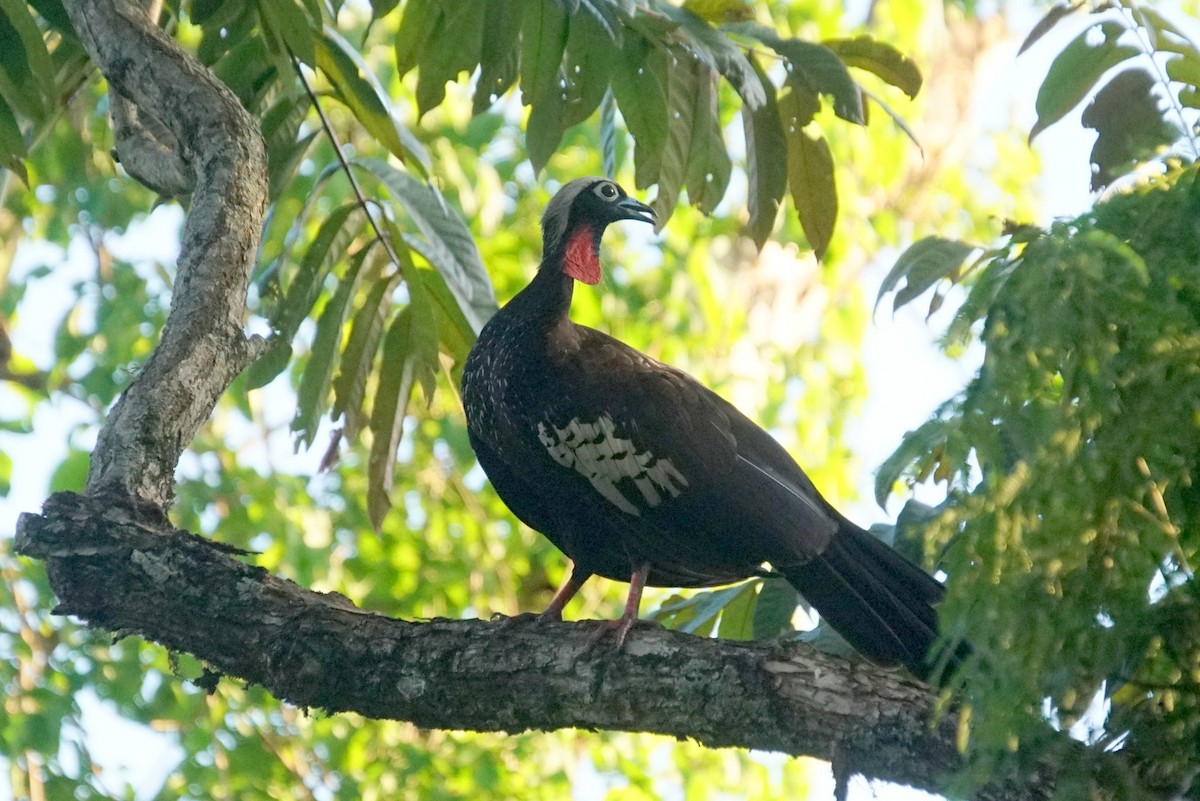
(639,473)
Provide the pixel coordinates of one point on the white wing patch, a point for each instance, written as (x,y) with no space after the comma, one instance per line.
(596,452)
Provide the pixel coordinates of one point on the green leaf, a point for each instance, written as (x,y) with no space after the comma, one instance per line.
(498,58)
(287,21)
(12,143)
(637,84)
(37,63)
(777,602)
(71,473)
(1185,69)
(811,180)
(1129,125)
(699,40)
(880,59)
(914,445)
(545,129)
(817,67)
(409,357)
(447,243)
(318,373)
(6,466)
(273,362)
(708,159)
(1076,70)
(455,47)
(684,85)
(543,37)
(590,55)
(327,249)
(922,265)
(354,366)
(737,616)
(417,27)
(285,148)
(766,163)
(1052,17)
(381,8)
(698,614)
(343,65)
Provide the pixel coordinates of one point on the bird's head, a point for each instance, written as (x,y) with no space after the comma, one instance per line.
(576,218)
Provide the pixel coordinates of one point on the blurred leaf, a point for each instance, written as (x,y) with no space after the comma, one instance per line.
(499,54)
(12,144)
(922,265)
(26,70)
(914,445)
(1052,17)
(446,242)
(737,616)
(71,473)
(545,129)
(454,47)
(417,27)
(880,59)
(6,465)
(777,602)
(327,249)
(288,21)
(543,37)
(811,180)
(1076,70)
(766,164)
(1129,125)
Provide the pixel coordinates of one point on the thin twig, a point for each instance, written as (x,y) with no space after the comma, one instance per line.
(341,157)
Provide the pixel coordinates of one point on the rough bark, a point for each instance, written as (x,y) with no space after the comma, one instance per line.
(116,572)
(203,346)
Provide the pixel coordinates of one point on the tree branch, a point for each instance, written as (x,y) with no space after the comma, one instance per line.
(203,347)
(116,572)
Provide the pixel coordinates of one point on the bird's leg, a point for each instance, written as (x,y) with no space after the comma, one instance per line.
(637,582)
(565,593)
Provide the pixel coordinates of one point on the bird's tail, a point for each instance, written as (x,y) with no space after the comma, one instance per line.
(879,601)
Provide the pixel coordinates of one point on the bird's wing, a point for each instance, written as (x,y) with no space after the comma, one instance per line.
(659,446)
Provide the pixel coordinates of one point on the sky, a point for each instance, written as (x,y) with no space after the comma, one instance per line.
(897,347)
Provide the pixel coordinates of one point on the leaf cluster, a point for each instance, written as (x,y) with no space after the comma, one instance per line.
(1071,526)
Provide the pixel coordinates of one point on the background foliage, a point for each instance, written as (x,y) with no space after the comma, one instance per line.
(458,121)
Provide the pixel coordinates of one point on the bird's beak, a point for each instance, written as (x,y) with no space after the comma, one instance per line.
(635,210)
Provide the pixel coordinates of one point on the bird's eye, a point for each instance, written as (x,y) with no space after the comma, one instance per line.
(607,191)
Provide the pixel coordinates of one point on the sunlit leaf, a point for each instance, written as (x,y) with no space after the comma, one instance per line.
(454,48)
(683,87)
(358,357)
(811,181)
(26,63)
(878,58)
(288,21)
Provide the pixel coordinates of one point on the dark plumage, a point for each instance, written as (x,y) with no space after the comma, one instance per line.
(639,473)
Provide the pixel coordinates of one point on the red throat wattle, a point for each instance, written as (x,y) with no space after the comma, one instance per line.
(581,261)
